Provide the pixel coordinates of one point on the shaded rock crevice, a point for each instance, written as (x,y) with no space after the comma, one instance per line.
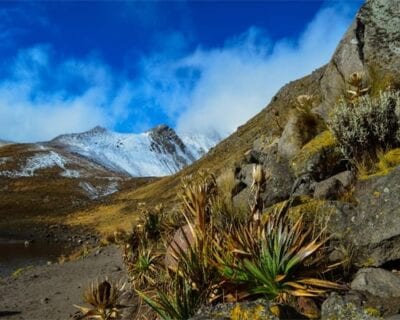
(359,32)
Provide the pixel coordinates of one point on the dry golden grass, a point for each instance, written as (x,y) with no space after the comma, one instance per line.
(384,164)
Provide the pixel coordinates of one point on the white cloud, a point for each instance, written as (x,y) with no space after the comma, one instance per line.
(40,99)
(208,89)
(228,85)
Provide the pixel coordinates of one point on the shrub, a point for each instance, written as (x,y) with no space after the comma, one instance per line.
(365,125)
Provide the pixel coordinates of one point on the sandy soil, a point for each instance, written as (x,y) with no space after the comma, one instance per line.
(49,292)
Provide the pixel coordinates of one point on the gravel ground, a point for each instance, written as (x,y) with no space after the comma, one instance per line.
(48,292)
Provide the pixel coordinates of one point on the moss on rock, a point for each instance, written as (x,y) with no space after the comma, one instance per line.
(320,157)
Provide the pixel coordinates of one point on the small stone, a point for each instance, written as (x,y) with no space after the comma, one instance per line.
(386,190)
(116,268)
(44,300)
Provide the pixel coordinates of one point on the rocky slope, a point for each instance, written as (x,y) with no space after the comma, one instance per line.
(305,163)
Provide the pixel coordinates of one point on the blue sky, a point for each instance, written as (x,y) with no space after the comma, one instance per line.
(198,66)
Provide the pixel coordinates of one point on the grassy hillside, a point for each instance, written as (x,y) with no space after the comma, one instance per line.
(47,196)
(122,208)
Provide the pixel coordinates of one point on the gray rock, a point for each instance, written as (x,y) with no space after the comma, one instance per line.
(378,282)
(241,200)
(246,174)
(332,187)
(337,307)
(347,178)
(278,187)
(223,311)
(304,185)
(371,45)
(328,189)
(183,238)
(372,228)
(297,132)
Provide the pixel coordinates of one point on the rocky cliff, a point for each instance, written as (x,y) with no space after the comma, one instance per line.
(305,163)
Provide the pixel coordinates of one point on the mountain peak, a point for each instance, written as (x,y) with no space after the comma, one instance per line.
(157,153)
(161,129)
(97,129)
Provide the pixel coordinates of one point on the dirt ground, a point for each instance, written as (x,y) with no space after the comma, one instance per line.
(49,292)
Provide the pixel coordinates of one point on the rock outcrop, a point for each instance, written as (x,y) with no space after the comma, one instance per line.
(371,45)
(372,228)
(362,215)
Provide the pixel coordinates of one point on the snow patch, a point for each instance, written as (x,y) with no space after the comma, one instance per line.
(94,192)
(42,161)
(70,173)
(110,189)
(90,190)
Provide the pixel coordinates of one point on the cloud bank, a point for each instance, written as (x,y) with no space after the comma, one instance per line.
(204,90)
(40,99)
(223,87)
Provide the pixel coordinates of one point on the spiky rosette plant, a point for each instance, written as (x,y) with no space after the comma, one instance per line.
(144,270)
(279,262)
(194,273)
(305,103)
(357,88)
(194,256)
(180,302)
(105,300)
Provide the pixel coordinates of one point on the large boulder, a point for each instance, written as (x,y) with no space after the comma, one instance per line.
(371,45)
(182,240)
(320,158)
(380,289)
(372,228)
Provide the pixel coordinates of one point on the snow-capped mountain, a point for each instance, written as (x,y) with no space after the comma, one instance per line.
(157,152)
(73,170)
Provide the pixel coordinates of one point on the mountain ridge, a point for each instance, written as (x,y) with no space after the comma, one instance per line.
(46,181)
(159,151)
